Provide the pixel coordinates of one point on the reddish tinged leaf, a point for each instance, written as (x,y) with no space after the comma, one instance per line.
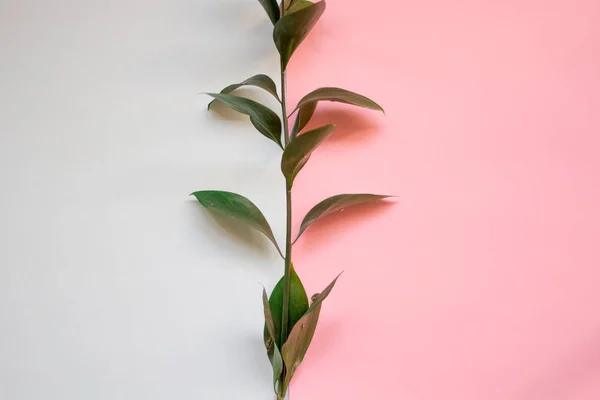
(296,346)
(272,349)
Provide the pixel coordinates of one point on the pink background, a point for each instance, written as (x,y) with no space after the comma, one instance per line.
(481,281)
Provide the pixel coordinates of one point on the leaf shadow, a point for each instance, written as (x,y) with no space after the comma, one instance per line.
(575,370)
(351,125)
(324,340)
(234,231)
(327,334)
(339,223)
(255,353)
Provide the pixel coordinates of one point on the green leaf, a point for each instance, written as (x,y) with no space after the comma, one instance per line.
(334,204)
(272,9)
(263,118)
(260,80)
(297,153)
(339,95)
(304,115)
(292,6)
(296,346)
(293,28)
(272,349)
(237,207)
(308,103)
(297,306)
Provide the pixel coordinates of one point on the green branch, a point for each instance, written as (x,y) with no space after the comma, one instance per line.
(288,209)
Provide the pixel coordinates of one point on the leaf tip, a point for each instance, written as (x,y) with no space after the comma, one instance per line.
(211,102)
(297,237)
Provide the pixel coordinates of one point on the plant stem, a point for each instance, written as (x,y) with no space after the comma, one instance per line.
(288,195)
(288,234)
(286,134)
(288,264)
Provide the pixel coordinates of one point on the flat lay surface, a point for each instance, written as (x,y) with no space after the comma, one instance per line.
(477,282)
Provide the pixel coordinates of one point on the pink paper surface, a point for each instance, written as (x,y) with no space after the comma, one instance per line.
(481,281)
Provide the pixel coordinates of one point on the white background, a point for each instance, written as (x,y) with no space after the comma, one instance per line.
(114,283)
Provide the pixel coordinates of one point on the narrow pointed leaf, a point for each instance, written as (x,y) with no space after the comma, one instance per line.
(297,306)
(296,346)
(260,80)
(307,105)
(297,153)
(341,96)
(334,204)
(318,298)
(265,120)
(305,113)
(272,9)
(272,349)
(293,28)
(269,324)
(236,207)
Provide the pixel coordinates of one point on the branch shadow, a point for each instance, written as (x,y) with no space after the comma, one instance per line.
(336,224)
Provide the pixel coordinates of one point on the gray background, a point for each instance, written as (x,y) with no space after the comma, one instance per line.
(114,283)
